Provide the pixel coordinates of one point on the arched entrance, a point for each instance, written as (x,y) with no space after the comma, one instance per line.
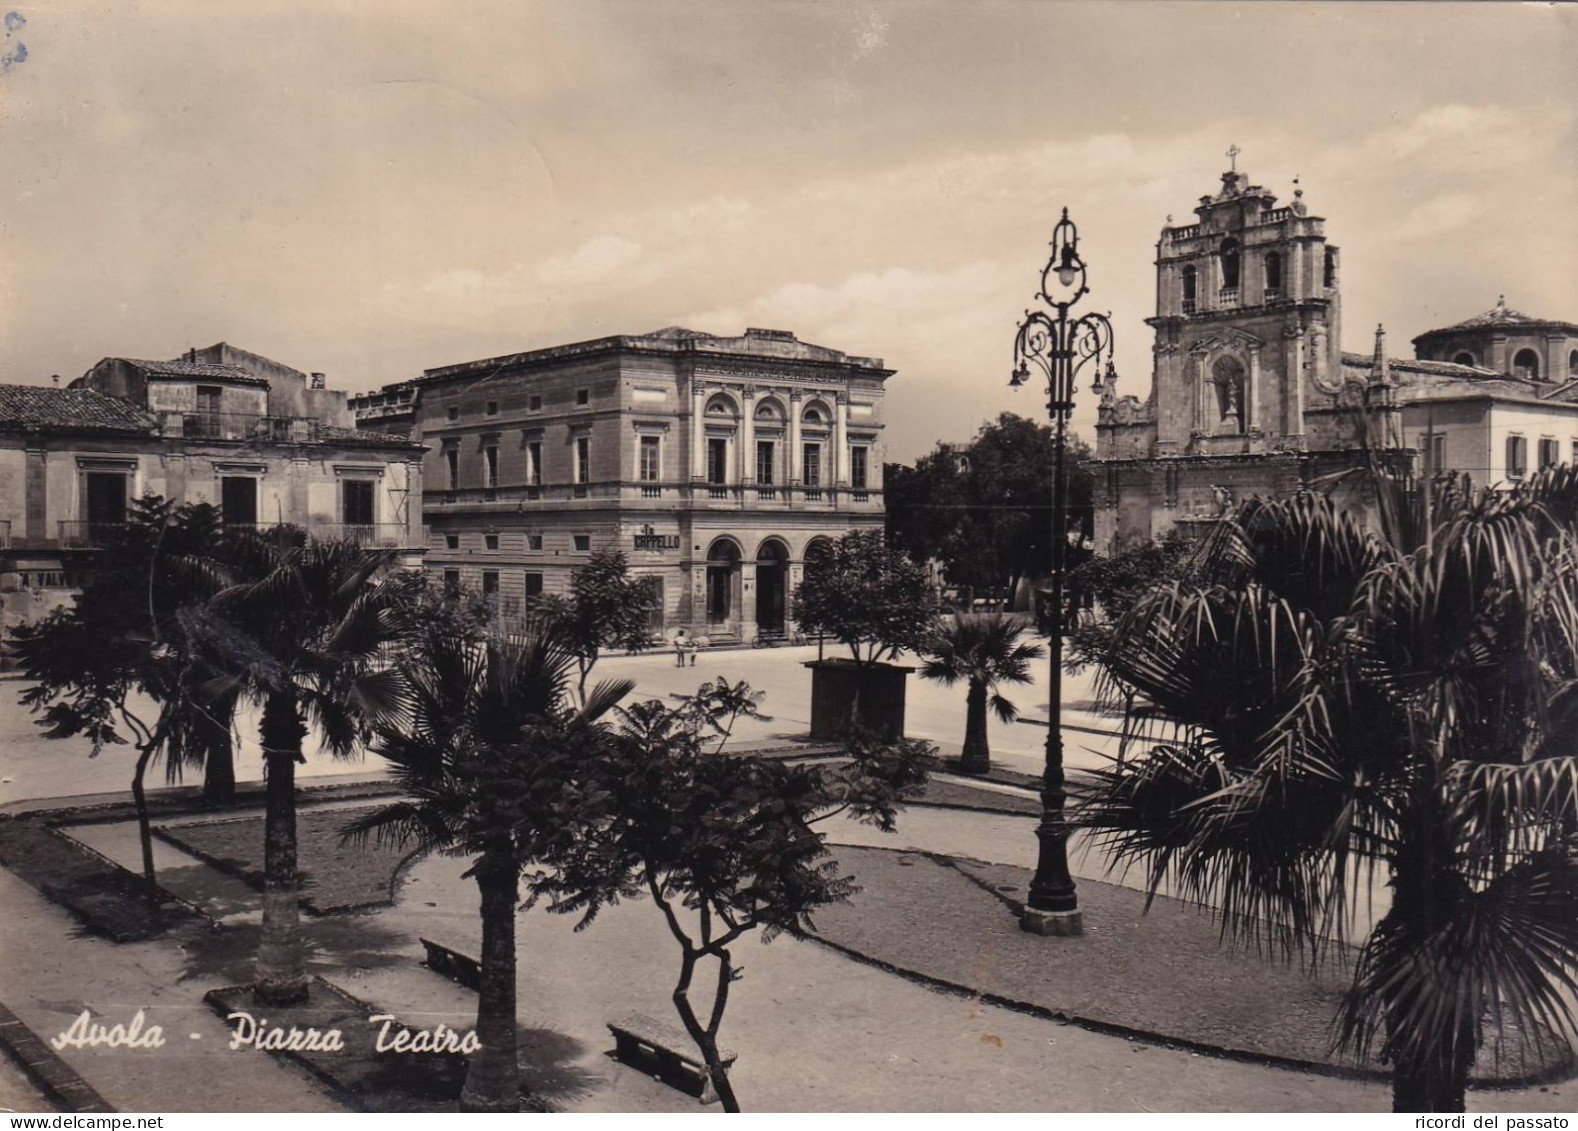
(772,582)
(723,583)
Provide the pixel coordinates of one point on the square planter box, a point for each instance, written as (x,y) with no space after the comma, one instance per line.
(837,686)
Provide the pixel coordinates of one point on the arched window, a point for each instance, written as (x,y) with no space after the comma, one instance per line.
(1330,276)
(1189,292)
(1464,358)
(1572,365)
(1228,377)
(1273,275)
(1526,363)
(1229,264)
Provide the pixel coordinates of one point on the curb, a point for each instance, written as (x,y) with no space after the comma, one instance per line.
(1555,1074)
(60,1081)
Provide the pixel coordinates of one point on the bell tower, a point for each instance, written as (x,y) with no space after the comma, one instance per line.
(1247,324)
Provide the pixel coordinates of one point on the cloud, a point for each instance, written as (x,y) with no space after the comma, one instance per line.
(599,259)
(1437,216)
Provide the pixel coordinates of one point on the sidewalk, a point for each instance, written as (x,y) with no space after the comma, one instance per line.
(950,1008)
(921,995)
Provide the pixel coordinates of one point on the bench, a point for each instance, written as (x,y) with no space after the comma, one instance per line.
(645,1043)
(452,964)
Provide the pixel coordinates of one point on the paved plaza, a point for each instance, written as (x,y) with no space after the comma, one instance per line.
(922,994)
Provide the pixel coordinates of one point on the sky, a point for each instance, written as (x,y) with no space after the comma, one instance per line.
(372,189)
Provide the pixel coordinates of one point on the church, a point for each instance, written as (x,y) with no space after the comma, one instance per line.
(1252,394)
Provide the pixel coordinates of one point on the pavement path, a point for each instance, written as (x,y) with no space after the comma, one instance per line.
(32,766)
(814,1029)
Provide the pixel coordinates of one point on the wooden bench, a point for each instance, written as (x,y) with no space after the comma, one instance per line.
(645,1043)
(452,964)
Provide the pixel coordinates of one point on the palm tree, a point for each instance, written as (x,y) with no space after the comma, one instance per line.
(309,633)
(984,650)
(494,766)
(1330,705)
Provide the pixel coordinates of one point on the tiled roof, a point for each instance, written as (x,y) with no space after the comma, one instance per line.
(45,408)
(333,433)
(1365,361)
(677,334)
(202,370)
(1499,315)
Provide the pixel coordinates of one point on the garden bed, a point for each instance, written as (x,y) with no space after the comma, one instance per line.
(335,878)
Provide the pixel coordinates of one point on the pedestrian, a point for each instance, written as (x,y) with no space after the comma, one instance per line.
(681,646)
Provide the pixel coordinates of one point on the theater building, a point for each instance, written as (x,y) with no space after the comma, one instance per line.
(713,463)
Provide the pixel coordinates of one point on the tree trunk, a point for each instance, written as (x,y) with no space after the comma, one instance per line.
(493,1079)
(281,968)
(219,755)
(706,1038)
(219,776)
(1427,896)
(144,829)
(1429,1087)
(977,757)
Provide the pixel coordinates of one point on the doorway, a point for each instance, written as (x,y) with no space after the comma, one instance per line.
(105,493)
(723,578)
(238,499)
(772,576)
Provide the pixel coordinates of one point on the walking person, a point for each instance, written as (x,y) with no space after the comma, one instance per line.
(682,644)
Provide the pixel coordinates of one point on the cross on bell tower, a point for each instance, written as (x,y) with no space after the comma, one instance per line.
(1232,155)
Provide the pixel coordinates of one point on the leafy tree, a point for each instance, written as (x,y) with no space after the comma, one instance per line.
(120,637)
(985,509)
(495,767)
(309,633)
(1329,703)
(723,845)
(867,595)
(607,608)
(983,651)
(1116,581)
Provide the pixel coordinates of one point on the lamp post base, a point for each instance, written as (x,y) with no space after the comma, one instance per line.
(1060,924)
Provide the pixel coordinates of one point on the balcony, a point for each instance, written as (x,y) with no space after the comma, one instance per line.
(1188,306)
(80,534)
(766,494)
(651,491)
(1228,296)
(245,427)
(370,535)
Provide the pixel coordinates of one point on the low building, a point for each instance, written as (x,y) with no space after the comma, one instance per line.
(390,410)
(713,463)
(243,434)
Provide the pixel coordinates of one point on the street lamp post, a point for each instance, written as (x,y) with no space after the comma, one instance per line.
(1057,347)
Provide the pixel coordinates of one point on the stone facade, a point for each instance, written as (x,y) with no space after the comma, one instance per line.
(1249,394)
(1507,341)
(1252,395)
(192,431)
(713,463)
